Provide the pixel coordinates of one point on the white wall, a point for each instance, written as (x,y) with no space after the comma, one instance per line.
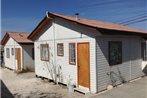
(28,62)
(26,56)
(11,62)
(65,32)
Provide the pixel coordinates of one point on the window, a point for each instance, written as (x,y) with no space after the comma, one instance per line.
(7,53)
(144,51)
(60,49)
(115,52)
(72,54)
(12,51)
(44,52)
(32,53)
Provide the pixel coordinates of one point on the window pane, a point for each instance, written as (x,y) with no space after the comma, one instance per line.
(60,49)
(115,53)
(7,53)
(72,55)
(44,52)
(12,51)
(33,53)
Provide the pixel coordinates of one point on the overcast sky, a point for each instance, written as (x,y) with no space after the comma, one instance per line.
(24,15)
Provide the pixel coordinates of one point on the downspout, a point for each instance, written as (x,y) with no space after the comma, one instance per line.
(55,50)
(54,41)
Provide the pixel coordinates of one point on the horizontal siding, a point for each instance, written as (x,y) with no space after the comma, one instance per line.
(65,32)
(131,58)
(64,69)
(135,64)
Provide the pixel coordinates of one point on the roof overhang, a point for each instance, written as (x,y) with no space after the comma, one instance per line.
(5,39)
(119,32)
(40,27)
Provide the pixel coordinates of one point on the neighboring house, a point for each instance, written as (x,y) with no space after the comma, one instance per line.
(91,54)
(19,51)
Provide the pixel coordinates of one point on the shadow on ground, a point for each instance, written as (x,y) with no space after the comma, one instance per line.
(38,95)
(5,93)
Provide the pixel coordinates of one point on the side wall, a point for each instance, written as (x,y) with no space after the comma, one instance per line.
(28,61)
(131,60)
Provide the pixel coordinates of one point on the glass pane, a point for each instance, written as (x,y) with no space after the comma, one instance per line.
(44,52)
(115,53)
(72,53)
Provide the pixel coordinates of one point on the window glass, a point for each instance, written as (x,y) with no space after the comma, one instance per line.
(44,52)
(72,54)
(7,53)
(12,51)
(33,53)
(115,52)
(60,49)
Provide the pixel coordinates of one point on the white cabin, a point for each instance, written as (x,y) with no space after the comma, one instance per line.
(18,51)
(87,53)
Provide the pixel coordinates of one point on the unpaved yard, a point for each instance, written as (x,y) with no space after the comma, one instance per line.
(26,85)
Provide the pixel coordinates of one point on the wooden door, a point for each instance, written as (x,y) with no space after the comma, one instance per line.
(83,64)
(19,58)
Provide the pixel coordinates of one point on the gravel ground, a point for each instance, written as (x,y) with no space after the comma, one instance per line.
(26,85)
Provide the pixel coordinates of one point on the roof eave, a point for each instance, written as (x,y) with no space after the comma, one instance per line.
(5,39)
(33,33)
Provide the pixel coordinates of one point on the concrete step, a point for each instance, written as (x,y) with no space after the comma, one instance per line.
(81,90)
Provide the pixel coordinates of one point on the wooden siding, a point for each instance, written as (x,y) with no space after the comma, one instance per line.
(131,60)
(66,70)
(64,32)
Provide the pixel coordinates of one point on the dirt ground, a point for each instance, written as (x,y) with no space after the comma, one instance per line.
(26,85)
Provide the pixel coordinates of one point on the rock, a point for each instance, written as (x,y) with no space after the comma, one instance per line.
(109,87)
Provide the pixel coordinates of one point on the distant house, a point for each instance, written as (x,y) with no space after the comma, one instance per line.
(18,51)
(91,54)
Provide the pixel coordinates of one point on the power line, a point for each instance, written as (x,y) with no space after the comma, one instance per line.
(98,4)
(135,19)
(135,16)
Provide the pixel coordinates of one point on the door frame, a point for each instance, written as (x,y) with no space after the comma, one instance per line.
(78,43)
